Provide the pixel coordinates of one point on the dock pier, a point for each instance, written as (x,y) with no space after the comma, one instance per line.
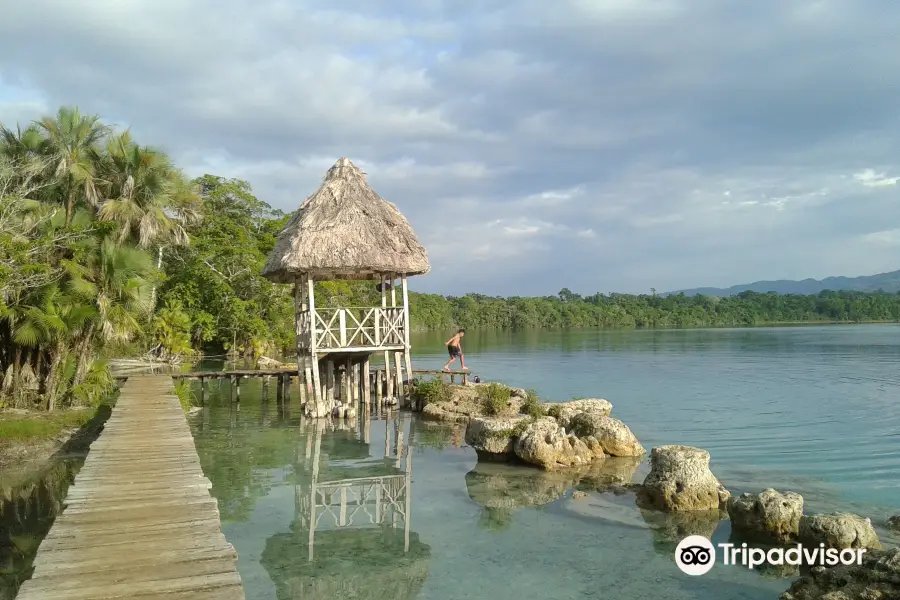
(139,521)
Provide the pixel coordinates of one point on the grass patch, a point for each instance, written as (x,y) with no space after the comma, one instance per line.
(494,397)
(429,391)
(40,426)
(532,405)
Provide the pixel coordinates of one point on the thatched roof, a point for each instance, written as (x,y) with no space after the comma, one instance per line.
(346,231)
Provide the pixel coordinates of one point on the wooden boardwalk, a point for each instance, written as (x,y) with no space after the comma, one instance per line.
(139,521)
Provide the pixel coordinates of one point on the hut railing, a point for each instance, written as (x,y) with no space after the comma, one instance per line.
(358,327)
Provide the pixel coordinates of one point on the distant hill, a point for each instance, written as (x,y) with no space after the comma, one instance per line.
(889,282)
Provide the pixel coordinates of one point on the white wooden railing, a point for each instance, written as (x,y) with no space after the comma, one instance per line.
(355,327)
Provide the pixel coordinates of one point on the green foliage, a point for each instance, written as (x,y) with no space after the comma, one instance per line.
(22,428)
(97,387)
(569,310)
(429,391)
(171,329)
(185,394)
(532,405)
(494,398)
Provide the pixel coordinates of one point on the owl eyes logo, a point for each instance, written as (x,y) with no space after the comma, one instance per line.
(695,555)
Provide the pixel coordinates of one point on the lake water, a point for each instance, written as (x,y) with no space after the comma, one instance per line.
(815,410)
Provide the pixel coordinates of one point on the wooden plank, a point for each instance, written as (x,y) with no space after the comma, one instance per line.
(139,521)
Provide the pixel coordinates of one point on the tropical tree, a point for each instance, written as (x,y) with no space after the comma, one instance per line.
(70,142)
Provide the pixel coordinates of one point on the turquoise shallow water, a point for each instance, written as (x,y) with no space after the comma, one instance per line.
(815,410)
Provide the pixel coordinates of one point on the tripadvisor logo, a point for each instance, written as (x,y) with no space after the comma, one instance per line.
(696,555)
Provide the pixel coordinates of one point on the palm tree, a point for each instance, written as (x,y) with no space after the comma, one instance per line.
(150,200)
(70,144)
(46,322)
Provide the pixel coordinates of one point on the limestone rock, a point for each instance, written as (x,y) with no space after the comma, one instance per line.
(545,443)
(894,523)
(838,530)
(614,436)
(493,437)
(877,578)
(769,516)
(679,480)
(564,411)
(462,403)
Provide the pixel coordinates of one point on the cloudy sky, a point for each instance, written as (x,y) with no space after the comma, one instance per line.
(600,145)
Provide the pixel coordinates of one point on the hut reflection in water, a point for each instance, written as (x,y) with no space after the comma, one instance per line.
(351,533)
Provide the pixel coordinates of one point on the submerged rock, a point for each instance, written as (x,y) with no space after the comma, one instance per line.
(609,474)
(546,444)
(838,530)
(680,480)
(563,412)
(672,527)
(500,486)
(769,516)
(614,436)
(877,578)
(493,437)
(894,523)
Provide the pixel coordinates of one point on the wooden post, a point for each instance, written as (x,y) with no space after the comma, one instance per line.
(313,350)
(367,390)
(279,389)
(389,390)
(202,392)
(387,438)
(398,433)
(347,392)
(329,382)
(401,394)
(342,327)
(231,388)
(237,387)
(407,353)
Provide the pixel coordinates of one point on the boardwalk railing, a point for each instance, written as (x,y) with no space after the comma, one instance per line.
(138,521)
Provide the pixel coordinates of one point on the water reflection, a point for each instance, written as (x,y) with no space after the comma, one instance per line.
(27,512)
(351,531)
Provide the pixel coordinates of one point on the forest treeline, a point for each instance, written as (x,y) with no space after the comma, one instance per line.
(108,248)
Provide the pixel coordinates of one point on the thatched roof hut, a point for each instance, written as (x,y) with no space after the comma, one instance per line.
(346,231)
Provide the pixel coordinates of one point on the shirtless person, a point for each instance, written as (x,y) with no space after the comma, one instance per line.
(454,347)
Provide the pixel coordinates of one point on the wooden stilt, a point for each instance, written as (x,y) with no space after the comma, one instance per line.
(320,409)
(367,389)
(329,382)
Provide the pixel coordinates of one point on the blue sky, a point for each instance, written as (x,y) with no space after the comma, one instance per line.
(600,145)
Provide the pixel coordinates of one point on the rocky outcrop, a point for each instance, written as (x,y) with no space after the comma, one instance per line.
(546,444)
(614,436)
(877,578)
(563,412)
(265,362)
(494,438)
(462,404)
(680,480)
(837,530)
(769,516)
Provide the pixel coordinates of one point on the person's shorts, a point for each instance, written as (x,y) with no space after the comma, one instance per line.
(454,351)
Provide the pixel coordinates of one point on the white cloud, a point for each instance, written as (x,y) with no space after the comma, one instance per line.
(656,130)
(870,178)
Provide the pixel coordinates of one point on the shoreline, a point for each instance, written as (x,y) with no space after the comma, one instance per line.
(30,440)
